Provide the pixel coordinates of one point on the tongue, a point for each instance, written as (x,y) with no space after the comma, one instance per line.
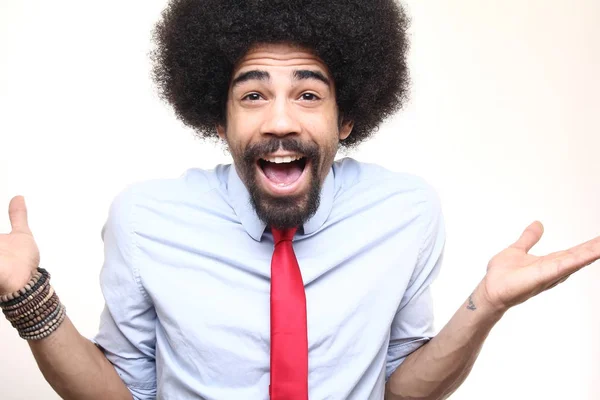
(284,173)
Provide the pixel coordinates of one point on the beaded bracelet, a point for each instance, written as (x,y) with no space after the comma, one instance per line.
(36,275)
(45,311)
(31,306)
(28,295)
(39,325)
(49,329)
(35,310)
(36,330)
(11,296)
(30,314)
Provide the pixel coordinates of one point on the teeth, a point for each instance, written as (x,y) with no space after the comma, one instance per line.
(281,160)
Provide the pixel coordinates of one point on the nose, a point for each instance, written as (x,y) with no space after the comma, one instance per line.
(280,119)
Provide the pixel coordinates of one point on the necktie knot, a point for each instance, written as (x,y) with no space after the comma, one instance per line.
(280,235)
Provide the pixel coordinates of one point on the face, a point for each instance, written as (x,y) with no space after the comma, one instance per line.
(283,130)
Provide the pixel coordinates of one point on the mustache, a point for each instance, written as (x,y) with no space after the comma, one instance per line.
(261,149)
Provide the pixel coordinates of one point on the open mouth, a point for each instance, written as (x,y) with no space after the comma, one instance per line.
(283,171)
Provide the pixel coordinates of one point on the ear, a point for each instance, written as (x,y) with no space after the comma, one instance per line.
(345,129)
(221,131)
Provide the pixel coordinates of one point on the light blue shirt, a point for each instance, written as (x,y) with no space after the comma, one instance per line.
(186,280)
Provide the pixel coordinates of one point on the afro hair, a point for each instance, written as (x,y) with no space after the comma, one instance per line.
(363,43)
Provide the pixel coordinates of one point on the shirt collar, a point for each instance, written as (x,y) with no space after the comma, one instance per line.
(240,199)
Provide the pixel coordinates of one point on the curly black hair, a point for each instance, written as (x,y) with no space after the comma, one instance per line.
(363,43)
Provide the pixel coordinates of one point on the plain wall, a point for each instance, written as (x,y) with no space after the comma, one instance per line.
(503,121)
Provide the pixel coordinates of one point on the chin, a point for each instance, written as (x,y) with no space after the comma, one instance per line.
(286,211)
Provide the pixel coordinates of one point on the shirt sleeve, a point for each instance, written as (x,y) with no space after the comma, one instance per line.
(127,324)
(413,325)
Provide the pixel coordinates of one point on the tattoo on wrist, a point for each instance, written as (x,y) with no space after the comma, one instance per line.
(471,305)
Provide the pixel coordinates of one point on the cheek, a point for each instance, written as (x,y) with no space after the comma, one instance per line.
(328,138)
(323,127)
(242,126)
(237,133)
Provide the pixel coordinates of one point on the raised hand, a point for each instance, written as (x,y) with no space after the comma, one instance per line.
(513,275)
(19,254)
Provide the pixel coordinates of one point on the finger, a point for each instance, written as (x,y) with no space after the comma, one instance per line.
(17,213)
(530,236)
(570,261)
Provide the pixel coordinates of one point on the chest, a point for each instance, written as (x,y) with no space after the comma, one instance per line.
(213,305)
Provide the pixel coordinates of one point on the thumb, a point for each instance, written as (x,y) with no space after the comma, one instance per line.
(530,236)
(17,212)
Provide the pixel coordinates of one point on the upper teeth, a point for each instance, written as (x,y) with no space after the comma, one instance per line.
(280,160)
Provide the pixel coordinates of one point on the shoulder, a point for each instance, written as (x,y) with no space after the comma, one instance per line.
(375,182)
(194,191)
(194,182)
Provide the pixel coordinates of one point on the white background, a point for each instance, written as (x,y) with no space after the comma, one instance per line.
(503,121)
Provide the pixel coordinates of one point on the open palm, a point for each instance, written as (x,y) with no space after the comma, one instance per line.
(513,275)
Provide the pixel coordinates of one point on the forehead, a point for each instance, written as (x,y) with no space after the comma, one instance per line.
(279,56)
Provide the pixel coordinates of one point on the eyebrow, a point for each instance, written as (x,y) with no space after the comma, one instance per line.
(308,74)
(250,75)
(300,74)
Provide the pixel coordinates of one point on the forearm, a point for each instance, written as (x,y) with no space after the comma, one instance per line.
(75,367)
(438,368)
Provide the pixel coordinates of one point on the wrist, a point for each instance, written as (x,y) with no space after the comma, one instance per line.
(480,301)
(15,284)
(34,310)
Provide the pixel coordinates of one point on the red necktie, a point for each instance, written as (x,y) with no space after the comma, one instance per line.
(289,339)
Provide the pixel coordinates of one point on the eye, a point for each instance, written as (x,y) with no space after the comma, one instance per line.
(309,96)
(252,97)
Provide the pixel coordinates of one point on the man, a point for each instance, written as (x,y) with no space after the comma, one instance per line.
(284,275)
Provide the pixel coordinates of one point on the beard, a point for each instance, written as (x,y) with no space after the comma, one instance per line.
(281,212)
